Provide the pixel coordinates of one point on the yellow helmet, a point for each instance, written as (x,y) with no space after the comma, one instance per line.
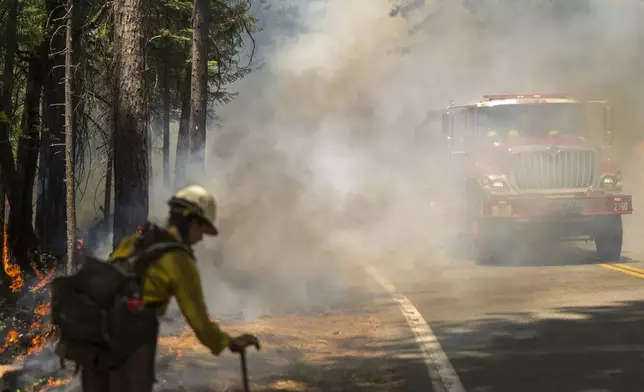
(196,200)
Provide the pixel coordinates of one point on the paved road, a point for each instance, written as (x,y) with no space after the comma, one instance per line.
(558,321)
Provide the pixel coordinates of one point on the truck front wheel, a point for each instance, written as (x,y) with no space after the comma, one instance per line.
(608,238)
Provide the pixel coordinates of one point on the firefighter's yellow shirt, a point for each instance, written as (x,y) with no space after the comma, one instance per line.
(176,274)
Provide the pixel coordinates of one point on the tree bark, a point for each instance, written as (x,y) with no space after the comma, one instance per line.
(20,230)
(183,138)
(79,61)
(108,226)
(166,122)
(130,119)
(199,87)
(11,44)
(70,183)
(107,202)
(5,100)
(51,209)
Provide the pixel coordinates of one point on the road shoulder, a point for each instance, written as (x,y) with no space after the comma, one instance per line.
(360,343)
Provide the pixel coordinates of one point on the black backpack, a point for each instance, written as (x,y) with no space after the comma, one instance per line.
(99,313)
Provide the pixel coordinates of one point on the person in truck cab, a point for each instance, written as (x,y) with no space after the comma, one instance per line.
(511,134)
(491,134)
(173,274)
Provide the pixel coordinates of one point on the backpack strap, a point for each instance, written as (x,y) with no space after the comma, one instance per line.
(142,260)
(151,243)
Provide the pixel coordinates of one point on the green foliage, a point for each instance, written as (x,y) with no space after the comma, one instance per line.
(171,36)
(231,23)
(170,33)
(31,23)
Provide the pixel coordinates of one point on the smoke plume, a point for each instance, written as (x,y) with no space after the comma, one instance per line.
(325,159)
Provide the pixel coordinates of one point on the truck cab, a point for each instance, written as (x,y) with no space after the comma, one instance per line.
(536,167)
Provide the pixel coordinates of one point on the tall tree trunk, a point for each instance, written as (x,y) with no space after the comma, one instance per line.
(20,216)
(79,120)
(183,138)
(11,45)
(130,119)
(107,202)
(5,100)
(2,207)
(108,220)
(51,208)
(19,230)
(166,122)
(199,87)
(69,144)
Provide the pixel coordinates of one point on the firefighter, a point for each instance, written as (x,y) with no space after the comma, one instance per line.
(491,134)
(173,274)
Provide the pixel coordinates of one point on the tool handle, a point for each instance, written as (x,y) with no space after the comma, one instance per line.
(242,354)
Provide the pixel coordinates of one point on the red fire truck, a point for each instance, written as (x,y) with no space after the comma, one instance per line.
(533,168)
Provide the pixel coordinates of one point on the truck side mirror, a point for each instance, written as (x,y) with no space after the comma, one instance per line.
(447,129)
(608,126)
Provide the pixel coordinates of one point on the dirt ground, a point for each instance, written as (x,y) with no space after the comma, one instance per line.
(355,345)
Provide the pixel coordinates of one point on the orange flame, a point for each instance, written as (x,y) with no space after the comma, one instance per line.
(54,383)
(139,230)
(12,270)
(79,243)
(43,309)
(40,334)
(38,273)
(45,280)
(10,339)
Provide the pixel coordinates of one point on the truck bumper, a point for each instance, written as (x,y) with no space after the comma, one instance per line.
(556,208)
(555,216)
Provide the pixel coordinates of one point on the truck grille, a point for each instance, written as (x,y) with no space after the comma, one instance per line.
(544,170)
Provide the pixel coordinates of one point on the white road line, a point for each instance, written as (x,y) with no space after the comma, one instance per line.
(443,375)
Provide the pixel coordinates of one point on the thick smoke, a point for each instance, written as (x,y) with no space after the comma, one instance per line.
(325,158)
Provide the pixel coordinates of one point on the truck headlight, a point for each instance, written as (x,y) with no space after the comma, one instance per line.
(495,184)
(611,182)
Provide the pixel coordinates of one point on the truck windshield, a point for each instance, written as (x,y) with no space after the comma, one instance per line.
(532,121)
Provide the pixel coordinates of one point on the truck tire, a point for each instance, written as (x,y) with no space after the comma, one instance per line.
(608,238)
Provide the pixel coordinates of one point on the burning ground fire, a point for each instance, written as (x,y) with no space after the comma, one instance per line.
(28,337)
(12,270)
(33,338)
(27,331)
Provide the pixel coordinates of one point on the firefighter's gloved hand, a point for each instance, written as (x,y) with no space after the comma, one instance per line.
(239,344)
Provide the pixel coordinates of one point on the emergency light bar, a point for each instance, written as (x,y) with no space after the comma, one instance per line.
(521,96)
